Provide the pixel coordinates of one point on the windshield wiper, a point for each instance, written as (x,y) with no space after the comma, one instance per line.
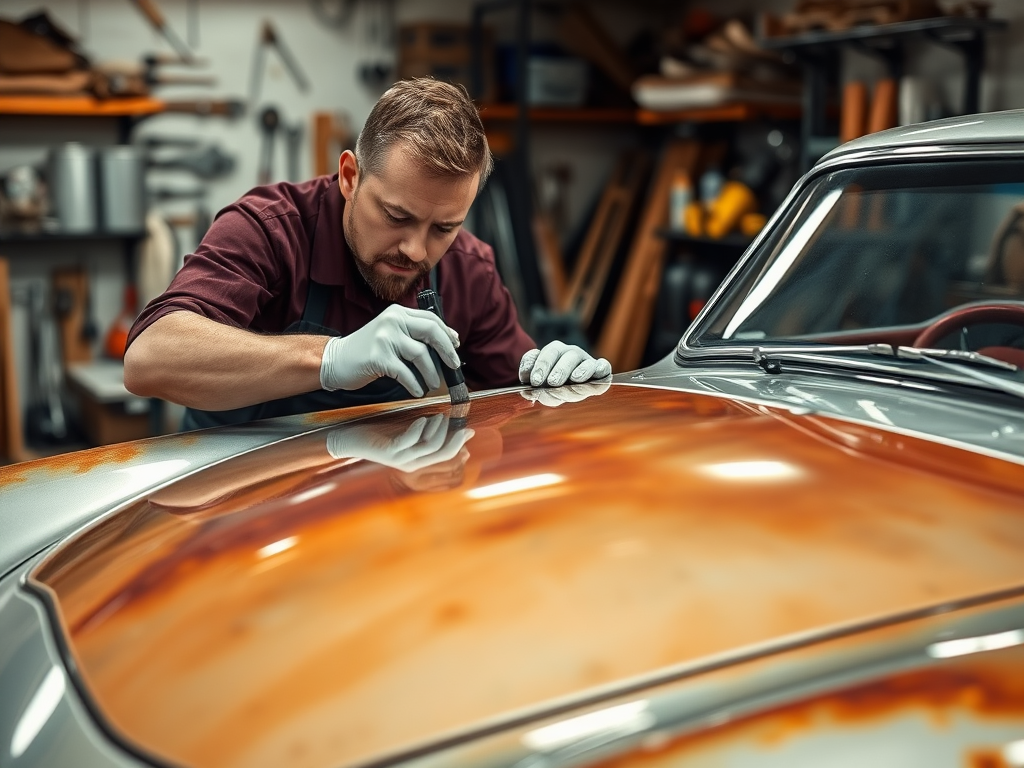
(956,355)
(942,357)
(770,359)
(955,360)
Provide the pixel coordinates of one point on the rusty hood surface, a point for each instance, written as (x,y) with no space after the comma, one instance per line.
(288,607)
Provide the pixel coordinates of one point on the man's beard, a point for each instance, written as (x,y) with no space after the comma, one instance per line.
(387,286)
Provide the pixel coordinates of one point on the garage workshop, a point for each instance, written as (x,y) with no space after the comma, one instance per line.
(511,382)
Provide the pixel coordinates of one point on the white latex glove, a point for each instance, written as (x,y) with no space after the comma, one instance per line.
(425,442)
(382,347)
(571,393)
(558,363)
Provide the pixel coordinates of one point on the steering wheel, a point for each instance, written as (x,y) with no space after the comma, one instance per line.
(971,314)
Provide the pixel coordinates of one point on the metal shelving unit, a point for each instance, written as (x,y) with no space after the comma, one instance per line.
(819,54)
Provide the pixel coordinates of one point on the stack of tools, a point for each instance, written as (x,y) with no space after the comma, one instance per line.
(712,63)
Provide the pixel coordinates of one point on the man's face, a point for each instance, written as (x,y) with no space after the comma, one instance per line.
(399,222)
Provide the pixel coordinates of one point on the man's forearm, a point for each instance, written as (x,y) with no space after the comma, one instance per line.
(194,361)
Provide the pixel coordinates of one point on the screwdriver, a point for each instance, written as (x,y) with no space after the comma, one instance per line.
(457,389)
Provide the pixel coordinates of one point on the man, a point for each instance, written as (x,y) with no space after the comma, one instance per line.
(302,296)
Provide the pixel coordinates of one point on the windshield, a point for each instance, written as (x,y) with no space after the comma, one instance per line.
(927,254)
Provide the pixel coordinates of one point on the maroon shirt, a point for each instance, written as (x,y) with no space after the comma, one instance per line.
(252,271)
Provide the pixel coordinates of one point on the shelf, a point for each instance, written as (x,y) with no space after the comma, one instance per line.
(946,28)
(43,236)
(722,113)
(734,242)
(79,106)
(736,112)
(508,112)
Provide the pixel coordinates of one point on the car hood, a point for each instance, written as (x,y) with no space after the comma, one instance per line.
(288,607)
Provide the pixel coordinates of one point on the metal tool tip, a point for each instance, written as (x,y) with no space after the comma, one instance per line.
(459,394)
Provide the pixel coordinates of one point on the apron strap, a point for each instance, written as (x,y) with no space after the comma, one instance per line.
(318,297)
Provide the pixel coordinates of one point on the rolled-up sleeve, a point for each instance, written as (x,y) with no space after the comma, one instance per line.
(228,279)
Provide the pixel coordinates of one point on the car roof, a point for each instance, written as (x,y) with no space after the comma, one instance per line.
(986,128)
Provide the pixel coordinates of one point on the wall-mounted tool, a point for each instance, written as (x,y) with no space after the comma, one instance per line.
(270,38)
(269,122)
(229,108)
(293,143)
(207,163)
(123,78)
(156,19)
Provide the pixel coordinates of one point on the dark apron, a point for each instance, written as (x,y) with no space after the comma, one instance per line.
(383,390)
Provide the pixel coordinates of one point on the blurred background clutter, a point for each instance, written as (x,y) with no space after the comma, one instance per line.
(641,146)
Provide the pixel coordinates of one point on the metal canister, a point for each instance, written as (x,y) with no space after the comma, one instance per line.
(72,187)
(122,189)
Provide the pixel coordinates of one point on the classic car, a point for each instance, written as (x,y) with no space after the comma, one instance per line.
(796,540)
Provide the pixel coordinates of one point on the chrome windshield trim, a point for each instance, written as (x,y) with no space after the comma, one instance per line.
(861,159)
(801,358)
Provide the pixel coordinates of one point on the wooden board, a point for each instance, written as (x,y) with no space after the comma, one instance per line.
(11,442)
(549,260)
(629,320)
(332,135)
(73,285)
(604,235)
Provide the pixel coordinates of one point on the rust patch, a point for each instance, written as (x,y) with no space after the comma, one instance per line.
(356,616)
(452,613)
(341,415)
(987,689)
(985,758)
(77,463)
(504,527)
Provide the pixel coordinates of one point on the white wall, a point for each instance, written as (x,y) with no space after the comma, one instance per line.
(228,33)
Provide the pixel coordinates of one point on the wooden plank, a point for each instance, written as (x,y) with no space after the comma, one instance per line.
(508,112)
(79,106)
(11,441)
(332,135)
(594,262)
(629,319)
(732,112)
(549,260)
(71,290)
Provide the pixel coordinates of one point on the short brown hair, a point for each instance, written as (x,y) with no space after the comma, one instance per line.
(436,120)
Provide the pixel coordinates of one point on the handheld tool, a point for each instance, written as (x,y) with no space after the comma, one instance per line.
(457,389)
(156,19)
(270,38)
(208,163)
(269,121)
